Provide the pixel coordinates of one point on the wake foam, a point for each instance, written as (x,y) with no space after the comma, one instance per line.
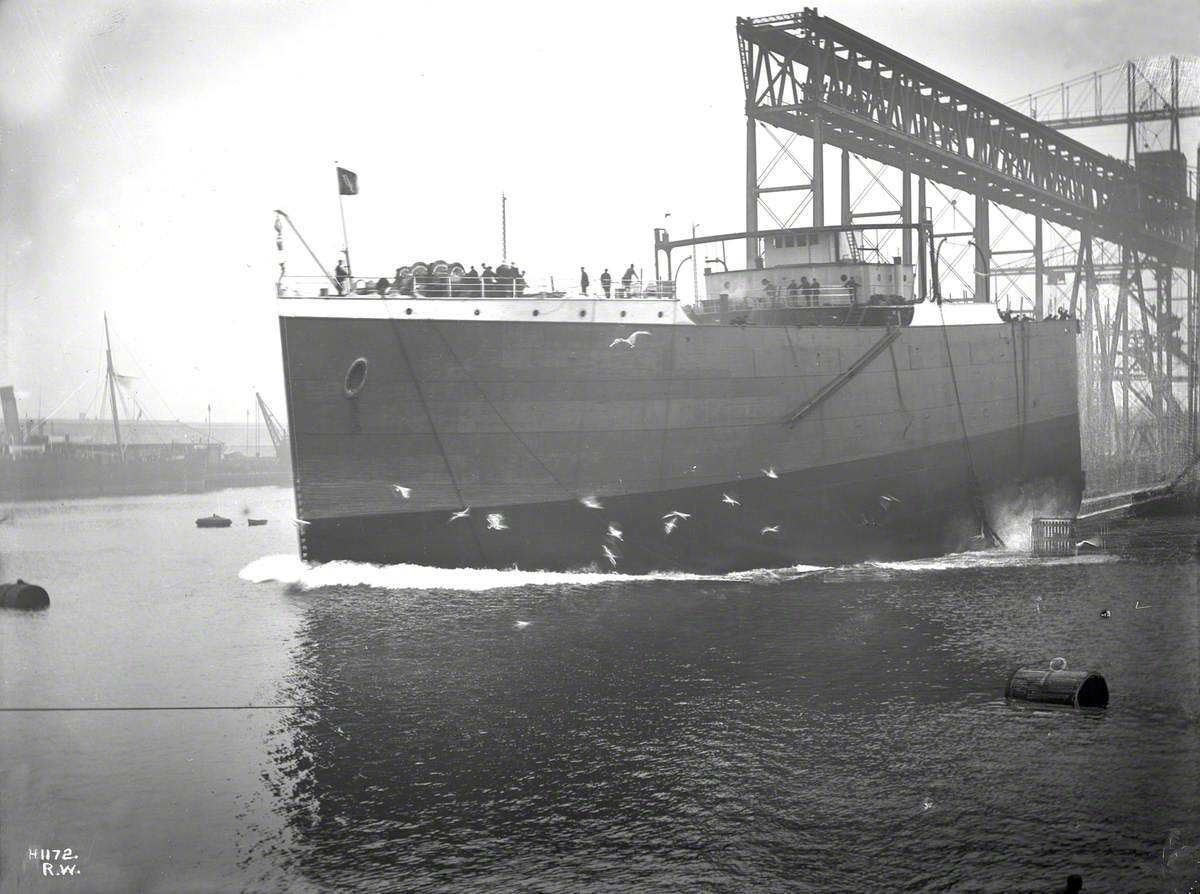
(990,558)
(291,570)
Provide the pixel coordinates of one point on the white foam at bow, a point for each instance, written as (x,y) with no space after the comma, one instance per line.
(291,570)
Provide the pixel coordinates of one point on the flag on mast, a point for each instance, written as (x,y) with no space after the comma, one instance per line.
(347,182)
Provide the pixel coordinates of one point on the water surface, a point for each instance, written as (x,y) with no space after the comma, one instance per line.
(804,730)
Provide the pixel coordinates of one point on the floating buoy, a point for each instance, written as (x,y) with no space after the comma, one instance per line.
(1077,689)
(255,522)
(214,521)
(28,597)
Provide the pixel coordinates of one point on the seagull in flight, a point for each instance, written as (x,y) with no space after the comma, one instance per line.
(770,472)
(770,529)
(725,498)
(591,502)
(670,525)
(675,513)
(1138,604)
(615,532)
(495,522)
(885,501)
(457,515)
(403,491)
(610,555)
(520,625)
(301,523)
(630,341)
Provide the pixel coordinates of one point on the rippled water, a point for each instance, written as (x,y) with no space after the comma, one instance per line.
(805,730)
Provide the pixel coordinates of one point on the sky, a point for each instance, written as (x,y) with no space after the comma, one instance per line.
(145,146)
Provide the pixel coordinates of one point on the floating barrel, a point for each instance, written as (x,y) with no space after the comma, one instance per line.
(23,596)
(1077,689)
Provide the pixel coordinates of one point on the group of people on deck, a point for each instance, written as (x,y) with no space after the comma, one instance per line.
(446,281)
(806,293)
(625,291)
(506,281)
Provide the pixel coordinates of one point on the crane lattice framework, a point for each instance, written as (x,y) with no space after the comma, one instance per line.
(806,75)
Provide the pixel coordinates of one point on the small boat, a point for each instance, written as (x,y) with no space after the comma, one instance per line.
(255,522)
(214,521)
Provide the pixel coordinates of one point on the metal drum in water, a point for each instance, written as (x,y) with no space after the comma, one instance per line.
(1076,689)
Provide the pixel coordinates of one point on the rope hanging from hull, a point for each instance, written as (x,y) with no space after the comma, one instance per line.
(973,488)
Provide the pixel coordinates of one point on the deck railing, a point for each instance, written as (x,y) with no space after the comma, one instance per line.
(787,298)
(453,286)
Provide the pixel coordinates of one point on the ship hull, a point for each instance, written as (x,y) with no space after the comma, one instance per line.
(527,422)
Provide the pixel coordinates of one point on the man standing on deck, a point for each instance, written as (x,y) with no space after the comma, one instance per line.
(341,274)
(627,281)
(606,283)
(471,279)
(584,282)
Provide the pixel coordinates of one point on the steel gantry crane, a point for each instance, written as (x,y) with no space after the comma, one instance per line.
(1110,223)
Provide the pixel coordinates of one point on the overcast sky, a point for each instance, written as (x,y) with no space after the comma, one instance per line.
(145,146)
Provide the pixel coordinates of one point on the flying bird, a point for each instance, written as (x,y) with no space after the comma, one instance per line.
(301,523)
(495,522)
(675,513)
(886,500)
(670,525)
(770,472)
(725,498)
(1138,604)
(521,624)
(770,529)
(591,502)
(630,341)
(610,555)
(457,515)
(615,532)
(403,491)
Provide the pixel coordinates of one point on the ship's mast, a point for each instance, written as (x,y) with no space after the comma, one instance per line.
(112,389)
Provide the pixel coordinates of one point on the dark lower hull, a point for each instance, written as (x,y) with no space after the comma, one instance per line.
(831,514)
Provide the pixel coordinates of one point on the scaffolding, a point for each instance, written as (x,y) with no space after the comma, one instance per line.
(1033,220)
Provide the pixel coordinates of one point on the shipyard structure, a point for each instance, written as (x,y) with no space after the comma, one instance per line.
(823,401)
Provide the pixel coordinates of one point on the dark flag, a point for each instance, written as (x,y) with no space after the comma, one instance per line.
(347,182)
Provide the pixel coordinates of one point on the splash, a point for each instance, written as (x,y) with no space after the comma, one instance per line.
(1012,515)
(291,570)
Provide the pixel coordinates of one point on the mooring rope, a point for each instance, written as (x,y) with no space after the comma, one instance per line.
(972,479)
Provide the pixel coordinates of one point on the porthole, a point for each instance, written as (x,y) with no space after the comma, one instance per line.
(408,310)
(356,377)
(477,311)
(622,313)
(660,313)
(535,313)
(583,313)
